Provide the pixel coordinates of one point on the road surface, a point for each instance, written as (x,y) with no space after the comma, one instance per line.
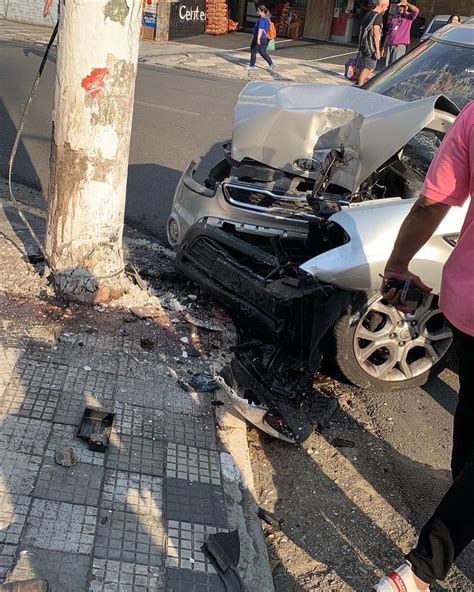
(178,116)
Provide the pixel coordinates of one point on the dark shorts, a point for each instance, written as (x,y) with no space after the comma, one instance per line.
(369,61)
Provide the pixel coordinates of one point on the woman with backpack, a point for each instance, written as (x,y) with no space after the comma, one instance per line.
(263,32)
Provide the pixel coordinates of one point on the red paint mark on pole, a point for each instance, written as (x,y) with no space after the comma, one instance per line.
(95,81)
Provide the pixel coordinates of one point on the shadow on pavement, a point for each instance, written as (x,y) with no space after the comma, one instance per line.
(345,508)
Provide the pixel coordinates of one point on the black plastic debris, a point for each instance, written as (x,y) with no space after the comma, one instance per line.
(26,586)
(223,551)
(270,518)
(35,258)
(95,428)
(147,344)
(342,443)
(203,383)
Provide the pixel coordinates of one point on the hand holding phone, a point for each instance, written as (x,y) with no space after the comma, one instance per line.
(411,296)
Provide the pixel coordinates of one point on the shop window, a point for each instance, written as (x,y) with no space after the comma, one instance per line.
(288,17)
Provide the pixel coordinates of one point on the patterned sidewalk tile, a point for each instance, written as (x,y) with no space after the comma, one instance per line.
(72,403)
(160,392)
(195,502)
(183,546)
(20,434)
(133,492)
(13,511)
(117,576)
(8,358)
(140,421)
(63,436)
(30,399)
(137,391)
(125,536)
(130,453)
(79,484)
(179,580)
(192,431)
(65,572)
(60,526)
(100,351)
(193,464)
(19,472)
(7,558)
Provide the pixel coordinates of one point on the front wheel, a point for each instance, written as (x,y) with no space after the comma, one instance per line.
(381,348)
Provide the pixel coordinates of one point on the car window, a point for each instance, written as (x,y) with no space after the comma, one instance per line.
(431,68)
(420,151)
(435,26)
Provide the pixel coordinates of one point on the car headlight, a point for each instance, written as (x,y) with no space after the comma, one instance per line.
(173,230)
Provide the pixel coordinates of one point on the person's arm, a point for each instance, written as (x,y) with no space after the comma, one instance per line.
(418,227)
(377,34)
(47,6)
(413,8)
(446,185)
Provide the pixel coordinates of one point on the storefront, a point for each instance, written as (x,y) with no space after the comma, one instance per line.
(298,18)
(289,17)
(165,21)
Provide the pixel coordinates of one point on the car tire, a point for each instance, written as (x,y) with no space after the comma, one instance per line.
(372,313)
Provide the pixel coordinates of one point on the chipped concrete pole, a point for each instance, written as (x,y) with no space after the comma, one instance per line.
(92,121)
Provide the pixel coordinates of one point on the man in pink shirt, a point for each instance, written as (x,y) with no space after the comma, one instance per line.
(450,182)
(398,36)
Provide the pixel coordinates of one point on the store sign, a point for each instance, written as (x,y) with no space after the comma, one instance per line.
(187,18)
(191,14)
(149,20)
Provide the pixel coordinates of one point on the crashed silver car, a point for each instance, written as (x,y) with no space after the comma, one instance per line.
(291,231)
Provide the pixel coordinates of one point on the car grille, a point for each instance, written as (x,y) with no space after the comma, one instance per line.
(263,200)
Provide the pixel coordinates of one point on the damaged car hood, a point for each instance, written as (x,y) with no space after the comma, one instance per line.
(279,123)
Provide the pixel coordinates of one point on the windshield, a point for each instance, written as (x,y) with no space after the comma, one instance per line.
(431,68)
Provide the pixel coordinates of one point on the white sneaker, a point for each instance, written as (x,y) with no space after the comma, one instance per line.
(398,580)
(272,67)
(249,67)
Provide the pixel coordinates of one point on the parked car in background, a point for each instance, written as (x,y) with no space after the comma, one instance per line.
(292,228)
(436,23)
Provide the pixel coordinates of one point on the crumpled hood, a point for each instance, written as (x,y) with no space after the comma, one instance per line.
(276,123)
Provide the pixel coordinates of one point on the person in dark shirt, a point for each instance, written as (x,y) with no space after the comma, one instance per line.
(373,22)
(260,41)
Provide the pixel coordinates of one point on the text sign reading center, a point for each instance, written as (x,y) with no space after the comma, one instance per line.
(191,14)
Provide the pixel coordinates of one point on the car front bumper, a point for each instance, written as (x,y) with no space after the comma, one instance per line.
(194,203)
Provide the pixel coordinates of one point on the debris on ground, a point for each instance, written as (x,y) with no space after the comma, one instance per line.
(147,344)
(66,457)
(223,550)
(270,518)
(342,443)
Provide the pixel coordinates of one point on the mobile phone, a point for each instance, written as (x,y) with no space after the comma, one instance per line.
(411,296)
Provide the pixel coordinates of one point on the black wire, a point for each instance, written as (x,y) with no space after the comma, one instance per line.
(17,141)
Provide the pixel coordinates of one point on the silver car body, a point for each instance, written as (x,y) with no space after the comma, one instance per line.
(373,228)
(372,128)
(276,123)
(436,23)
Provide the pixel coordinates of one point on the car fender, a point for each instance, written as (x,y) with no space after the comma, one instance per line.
(372,228)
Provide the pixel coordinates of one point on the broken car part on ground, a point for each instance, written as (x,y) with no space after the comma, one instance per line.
(291,231)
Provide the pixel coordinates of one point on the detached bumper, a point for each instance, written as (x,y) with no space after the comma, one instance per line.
(236,273)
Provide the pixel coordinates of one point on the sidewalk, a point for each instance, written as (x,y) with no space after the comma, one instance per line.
(198,58)
(133,518)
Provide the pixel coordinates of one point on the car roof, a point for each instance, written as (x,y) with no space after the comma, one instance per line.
(456,34)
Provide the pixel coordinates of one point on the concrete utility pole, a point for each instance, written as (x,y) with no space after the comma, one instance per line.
(92,121)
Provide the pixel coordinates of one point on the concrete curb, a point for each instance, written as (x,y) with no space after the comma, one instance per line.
(240,494)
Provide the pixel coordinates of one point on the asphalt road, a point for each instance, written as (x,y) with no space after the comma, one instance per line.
(178,117)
